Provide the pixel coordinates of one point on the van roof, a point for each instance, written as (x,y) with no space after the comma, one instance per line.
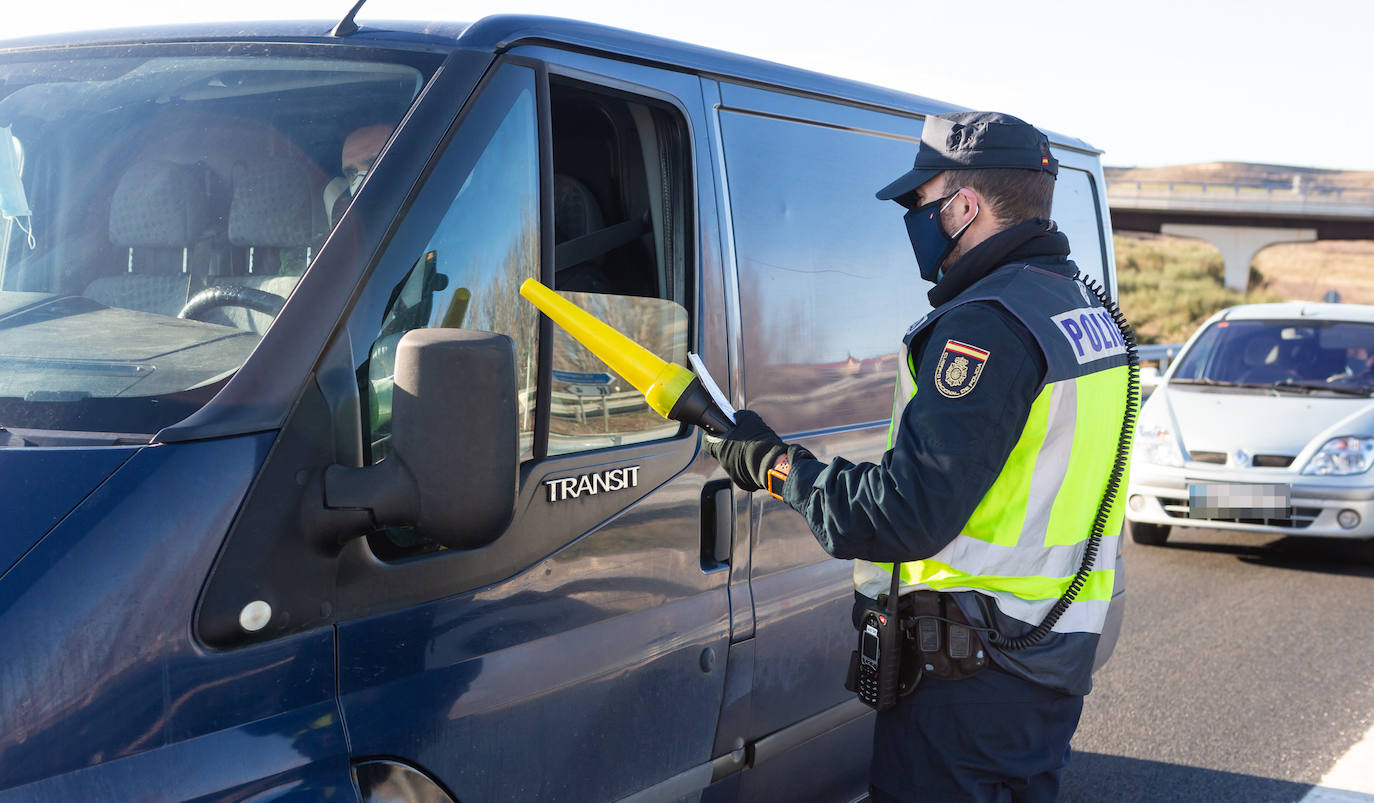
(500,32)
(1297,310)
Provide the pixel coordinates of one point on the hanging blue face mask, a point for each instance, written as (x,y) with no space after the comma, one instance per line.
(13,204)
(928,238)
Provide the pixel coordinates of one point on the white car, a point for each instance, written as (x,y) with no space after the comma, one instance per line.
(1264,423)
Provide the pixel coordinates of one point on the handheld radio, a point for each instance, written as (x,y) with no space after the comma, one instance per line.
(879,664)
(875,669)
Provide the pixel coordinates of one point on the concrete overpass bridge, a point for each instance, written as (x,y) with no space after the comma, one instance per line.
(1241,219)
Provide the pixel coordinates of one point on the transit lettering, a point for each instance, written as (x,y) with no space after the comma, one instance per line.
(614,479)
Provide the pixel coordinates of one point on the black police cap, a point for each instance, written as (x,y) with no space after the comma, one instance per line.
(973,141)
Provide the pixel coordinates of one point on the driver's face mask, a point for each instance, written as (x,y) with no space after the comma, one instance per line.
(355,180)
(928,238)
(13,203)
(355,172)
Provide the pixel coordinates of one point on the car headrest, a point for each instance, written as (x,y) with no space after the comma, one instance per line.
(575,211)
(160,204)
(275,204)
(1260,350)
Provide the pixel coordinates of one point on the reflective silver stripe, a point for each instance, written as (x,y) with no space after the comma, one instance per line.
(871,580)
(1084,616)
(1054,452)
(1107,553)
(908,382)
(983,559)
(969,554)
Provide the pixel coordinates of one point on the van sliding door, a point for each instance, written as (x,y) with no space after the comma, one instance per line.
(827,287)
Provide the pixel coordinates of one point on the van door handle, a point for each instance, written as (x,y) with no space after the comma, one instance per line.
(717,523)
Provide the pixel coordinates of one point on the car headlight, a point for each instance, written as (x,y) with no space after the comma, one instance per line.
(1345,455)
(1155,443)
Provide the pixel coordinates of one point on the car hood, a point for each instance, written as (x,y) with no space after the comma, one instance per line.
(1262,423)
(41,486)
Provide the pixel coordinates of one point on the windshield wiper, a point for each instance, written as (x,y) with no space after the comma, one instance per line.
(1204,381)
(1344,391)
(1286,384)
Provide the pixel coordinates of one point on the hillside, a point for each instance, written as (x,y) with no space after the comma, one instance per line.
(1169,285)
(1244,173)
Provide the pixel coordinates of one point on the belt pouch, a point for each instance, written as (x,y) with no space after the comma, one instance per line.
(941,638)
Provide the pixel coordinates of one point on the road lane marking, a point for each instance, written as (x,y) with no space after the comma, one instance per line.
(1351,780)
(1320,795)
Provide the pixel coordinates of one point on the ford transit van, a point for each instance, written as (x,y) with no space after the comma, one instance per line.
(303,502)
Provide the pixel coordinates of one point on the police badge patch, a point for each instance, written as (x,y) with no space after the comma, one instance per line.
(959,368)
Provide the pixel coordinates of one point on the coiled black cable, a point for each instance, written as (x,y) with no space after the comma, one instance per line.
(1104,510)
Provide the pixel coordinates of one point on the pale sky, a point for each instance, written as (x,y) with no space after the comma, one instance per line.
(1151,83)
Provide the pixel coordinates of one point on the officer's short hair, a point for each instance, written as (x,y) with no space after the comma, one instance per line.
(1015,195)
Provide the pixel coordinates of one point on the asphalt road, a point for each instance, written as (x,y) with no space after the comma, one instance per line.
(1245,670)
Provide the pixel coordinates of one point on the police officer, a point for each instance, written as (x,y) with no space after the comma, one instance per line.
(1012,414)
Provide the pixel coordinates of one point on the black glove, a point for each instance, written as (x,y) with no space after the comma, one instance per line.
(748,451)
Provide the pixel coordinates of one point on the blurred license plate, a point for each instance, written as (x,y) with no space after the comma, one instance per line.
(1233,500)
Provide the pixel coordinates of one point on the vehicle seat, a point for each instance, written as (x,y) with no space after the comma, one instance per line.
(576,218)
(336,199)
(576,213)
(276,217)
(163,214)
(1309,361)
(575,210)
(1261,361)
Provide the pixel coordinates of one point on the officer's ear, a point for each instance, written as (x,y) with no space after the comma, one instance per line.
(966,205)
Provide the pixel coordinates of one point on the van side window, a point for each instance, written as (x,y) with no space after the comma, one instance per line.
(469,273)
(1075,212)
(620,225)
(620,250)
(828,285)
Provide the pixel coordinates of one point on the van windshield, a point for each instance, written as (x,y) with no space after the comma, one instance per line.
(157,206)
(1302,356)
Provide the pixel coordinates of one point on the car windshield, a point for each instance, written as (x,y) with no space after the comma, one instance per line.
(157,206)
(1308,356)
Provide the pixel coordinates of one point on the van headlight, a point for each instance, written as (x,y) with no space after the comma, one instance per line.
(1156,444)
(1344,455)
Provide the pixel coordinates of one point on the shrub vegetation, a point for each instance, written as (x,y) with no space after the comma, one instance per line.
(1169,286)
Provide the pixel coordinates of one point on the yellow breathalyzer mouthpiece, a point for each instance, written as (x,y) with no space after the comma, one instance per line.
(661,382)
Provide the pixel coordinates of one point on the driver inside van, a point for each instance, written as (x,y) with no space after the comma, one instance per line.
(360,149)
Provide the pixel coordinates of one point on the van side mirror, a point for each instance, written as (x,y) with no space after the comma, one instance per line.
(451,471)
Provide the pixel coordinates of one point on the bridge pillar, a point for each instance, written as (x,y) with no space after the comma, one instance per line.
(1239,244)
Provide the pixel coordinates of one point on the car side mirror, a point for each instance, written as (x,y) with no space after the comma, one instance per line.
(451,470)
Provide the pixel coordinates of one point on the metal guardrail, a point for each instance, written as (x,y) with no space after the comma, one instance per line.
(1284,193)
(1156,352)
(1159,353)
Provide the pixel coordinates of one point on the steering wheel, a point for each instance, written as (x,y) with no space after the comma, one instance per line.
(1263,375)
(230,295)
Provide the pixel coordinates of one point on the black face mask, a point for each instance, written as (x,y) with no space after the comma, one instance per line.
(928,238)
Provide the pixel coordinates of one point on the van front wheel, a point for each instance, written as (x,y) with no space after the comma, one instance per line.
(1151,534)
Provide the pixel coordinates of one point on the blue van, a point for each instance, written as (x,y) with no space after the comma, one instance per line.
(303,502)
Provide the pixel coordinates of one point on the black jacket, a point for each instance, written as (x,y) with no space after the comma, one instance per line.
(946,452)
